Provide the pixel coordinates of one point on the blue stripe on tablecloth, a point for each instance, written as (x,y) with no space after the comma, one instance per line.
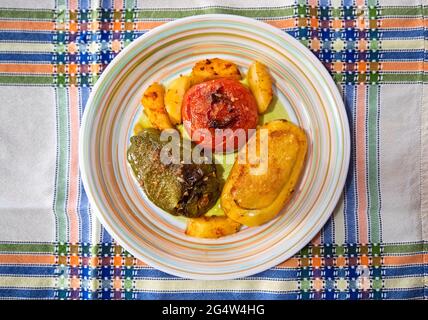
(105,236)
(84,4)
(327,231)
(276,273)
(349,205)
(402,55)
(26,57)
(403,293)
(106,4)
(216,295)
(27,293)
(405,271)
(84,215)
(27,270)
(404,34)
(138,33)
(26,36)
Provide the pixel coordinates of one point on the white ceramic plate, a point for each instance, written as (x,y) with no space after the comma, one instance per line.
(303,88)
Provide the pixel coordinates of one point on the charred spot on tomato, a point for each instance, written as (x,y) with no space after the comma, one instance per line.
(215,98)
(223,123)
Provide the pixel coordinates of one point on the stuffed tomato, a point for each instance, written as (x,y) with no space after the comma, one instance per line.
(212,107)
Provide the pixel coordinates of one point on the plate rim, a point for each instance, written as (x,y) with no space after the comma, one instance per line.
(305,239)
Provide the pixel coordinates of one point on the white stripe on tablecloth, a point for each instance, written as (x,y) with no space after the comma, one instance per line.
(424,163)
(28,4)
(196,285)
(26,47)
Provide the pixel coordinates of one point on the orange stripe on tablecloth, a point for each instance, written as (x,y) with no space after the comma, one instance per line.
(401,23)
(118,4)
(401,260)
(26,259)
(290,263)
(317,239)
(26,68)
(140,263)
(287,23)
(72,5)
(145,25)
(361,163)
(27,25)
(387,261)
(73,190)
(403,66)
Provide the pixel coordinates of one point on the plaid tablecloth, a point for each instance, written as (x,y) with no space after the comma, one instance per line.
(373,247)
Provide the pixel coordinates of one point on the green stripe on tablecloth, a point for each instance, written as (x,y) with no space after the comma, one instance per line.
(24,79)
(62,165)
(129,4)
(400,11)
(48,80)
(411,12)
(27,247)
(400,77)
(176,13)
(403,248)
(62,4)
(372,157)
(26,14)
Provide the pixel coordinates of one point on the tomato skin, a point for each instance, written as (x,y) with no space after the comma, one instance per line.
(219,104)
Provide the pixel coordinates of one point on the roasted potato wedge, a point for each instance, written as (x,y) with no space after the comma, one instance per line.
(174,98)
(253,199)
(209,69)
(212,227)
(260,83)
(154,107)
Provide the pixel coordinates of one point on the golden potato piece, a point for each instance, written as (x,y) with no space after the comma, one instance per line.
(209,69)
(174,98)
(253,199)
(260,83)
(153,103)
(211,227)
